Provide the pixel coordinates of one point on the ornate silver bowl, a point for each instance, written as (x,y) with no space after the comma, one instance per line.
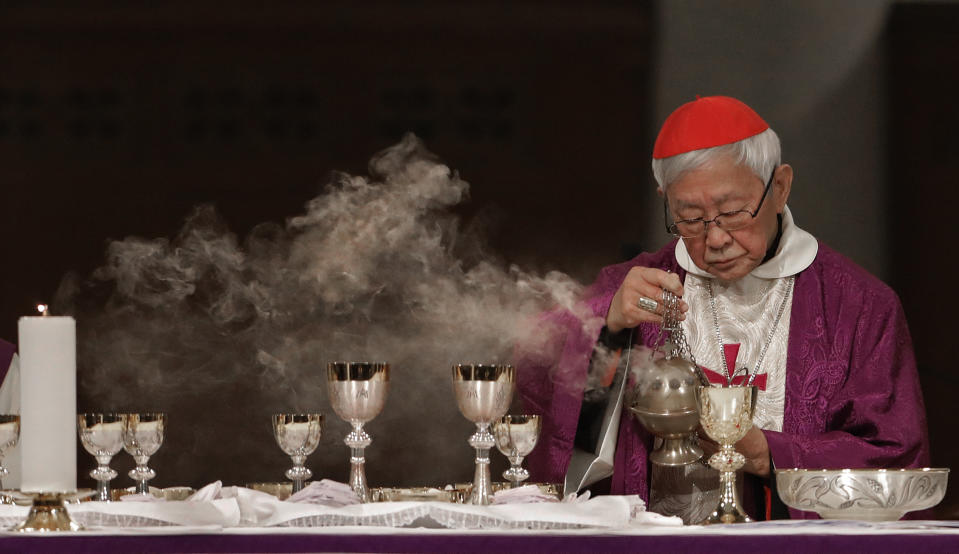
(862,494)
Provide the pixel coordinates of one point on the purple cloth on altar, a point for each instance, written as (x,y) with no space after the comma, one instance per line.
(7,351)
(852,389)
(490,541)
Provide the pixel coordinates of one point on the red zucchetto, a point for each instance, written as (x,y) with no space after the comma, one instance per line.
(705,123)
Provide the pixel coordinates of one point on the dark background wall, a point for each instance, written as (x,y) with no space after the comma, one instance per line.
(117,118)
(923,48)
(117,121)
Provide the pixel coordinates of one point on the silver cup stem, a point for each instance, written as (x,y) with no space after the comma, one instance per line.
(728,510)
(141,479)
(103,491)
(516,474)
(103,474)
(358,440)
(141,474)
(482,440)
(142,487)
(299,473)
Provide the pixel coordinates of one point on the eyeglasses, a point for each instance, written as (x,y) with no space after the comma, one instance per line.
(727,221)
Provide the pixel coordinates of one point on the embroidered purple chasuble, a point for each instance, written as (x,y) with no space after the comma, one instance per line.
(852,390)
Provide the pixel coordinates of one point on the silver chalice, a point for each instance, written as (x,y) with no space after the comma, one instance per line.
(298,436)
(726,415)
(483,393)
(357,392)
(102,436)
(142,437)
(516,437)
(9,436)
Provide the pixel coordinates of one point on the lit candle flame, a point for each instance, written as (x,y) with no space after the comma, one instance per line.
(43,309)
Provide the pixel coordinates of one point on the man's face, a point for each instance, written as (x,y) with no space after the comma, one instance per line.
(723,186)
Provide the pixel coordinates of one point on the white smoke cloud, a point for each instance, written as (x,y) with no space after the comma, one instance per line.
(375,269)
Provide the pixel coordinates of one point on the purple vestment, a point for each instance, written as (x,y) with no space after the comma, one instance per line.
(7,351)
(852,390)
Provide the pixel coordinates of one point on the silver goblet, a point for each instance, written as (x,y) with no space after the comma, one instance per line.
(142,437)
(516,437)
(9,436)
(298,436)
(483,394)
(102,436)
(357,392)
(726,415)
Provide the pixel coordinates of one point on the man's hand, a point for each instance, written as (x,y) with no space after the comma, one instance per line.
(753,446)
(756,450)
(649,282)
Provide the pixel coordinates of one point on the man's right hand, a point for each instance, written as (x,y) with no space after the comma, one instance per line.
(649,282)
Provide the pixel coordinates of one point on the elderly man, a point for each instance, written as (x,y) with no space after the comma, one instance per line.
(828,342)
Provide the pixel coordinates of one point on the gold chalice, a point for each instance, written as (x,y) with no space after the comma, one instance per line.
(726,415)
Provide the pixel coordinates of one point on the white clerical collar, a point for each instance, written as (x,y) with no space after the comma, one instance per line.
(797,249)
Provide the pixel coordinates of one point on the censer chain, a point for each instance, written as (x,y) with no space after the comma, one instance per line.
(671,324)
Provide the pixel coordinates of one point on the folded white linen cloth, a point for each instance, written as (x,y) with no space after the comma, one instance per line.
(326,492)
(527,494)
(639,517)
(207,493)
(601,512)
(255,506)
(239,506)
(221,512)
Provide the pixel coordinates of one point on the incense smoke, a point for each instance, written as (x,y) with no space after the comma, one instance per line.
(375,269)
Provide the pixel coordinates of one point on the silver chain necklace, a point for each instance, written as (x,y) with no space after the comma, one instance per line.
(769,339)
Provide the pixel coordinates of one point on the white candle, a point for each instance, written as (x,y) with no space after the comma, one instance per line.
(48,404)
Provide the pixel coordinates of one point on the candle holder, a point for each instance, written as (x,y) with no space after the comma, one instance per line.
(47,512)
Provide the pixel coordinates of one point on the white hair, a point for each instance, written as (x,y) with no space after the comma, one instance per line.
(760,153)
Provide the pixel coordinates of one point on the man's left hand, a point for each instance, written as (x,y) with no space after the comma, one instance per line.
(756,450)
(753,446)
